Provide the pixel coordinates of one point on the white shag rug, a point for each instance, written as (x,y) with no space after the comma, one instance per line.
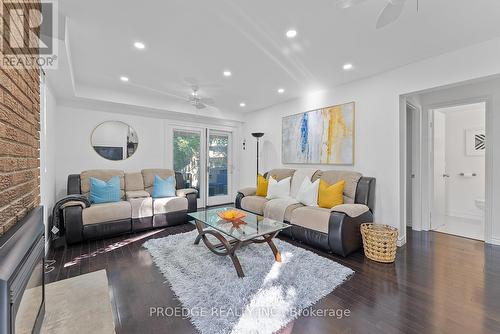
(269,296)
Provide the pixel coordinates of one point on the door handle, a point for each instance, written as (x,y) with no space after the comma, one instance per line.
(446,175)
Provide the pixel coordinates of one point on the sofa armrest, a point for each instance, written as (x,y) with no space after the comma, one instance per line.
(74,185)
(248,191)
(131,194)
(192,202)
(352,210)
(184,192)
(344,235)
(73,224)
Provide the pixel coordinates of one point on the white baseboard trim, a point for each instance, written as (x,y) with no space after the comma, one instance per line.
(401,241)
(494,241)
(464,215)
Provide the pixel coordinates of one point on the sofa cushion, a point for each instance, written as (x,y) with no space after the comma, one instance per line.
(148,176)
(352,210)
(333,176)
(280,209)
(137,194)
(249,191)
(163,187)
(278,189)
(134,182)
(280,173)
(313,218)
(141,207)
(254,204)
(101,174)
(107,212)
(186,191)
(102,191)
(169,204)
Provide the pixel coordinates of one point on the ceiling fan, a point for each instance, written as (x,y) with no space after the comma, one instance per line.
(389,14)
(197,101)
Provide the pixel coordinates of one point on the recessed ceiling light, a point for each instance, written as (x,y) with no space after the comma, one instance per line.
(242,104)
(139,45)
(227,73)
(347,67)
(291,33)
(281,90)
(124,79)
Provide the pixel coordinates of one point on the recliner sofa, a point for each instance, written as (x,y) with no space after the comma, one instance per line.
(136,211)
(334,230)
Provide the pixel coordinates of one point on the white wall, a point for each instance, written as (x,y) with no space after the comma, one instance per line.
(489,90)
(75,153)
(47,152)
(461,192)
(378,104)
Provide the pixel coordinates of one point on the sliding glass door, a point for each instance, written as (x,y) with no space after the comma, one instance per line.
(188,147)
(218,167)
(203,156)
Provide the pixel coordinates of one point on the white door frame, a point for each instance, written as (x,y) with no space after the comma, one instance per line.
(220,199)
(427,167)
(235,131)
(170,151)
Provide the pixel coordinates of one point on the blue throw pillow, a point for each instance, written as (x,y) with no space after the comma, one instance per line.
(105,192)
(163,188)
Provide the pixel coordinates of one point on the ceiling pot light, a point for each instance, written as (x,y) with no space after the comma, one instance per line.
(281,90)
(124,79)
(139,45)
(291,33)
(242,104)
(347,67)
(227,73)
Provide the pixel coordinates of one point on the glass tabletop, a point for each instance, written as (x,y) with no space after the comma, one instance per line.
(246,228)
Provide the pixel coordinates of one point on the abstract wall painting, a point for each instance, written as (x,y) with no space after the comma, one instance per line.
(322,136)
(475,141)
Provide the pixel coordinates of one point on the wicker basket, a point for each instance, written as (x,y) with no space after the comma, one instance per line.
(379,242)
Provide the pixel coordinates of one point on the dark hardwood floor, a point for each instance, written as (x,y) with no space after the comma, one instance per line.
(438,284)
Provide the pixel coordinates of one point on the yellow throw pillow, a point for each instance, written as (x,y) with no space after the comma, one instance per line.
(331,195)
(262,184)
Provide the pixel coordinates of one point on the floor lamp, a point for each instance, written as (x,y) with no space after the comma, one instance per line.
(257,135)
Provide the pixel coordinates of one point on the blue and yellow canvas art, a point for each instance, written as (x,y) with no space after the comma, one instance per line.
(322,136)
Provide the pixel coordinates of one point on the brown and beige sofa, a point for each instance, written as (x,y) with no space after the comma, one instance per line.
(334,230)
(136,211)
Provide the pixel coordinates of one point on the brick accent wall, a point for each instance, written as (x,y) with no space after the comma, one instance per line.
(19,140)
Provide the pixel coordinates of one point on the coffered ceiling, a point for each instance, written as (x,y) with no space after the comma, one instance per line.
(188,40)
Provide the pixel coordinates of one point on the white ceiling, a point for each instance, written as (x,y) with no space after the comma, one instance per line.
(200,39)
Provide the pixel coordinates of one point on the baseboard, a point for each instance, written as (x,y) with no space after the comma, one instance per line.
(464,215)
(494,241)
(401,241)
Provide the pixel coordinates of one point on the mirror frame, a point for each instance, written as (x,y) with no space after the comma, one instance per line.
(113,121)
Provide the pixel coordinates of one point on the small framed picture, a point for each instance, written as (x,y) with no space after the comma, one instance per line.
(475,141)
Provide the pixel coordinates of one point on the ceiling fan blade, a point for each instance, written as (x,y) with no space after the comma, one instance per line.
(200,106)
(343,4)
(192,81)
(391,12)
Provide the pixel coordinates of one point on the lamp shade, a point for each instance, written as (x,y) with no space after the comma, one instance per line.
(257,134)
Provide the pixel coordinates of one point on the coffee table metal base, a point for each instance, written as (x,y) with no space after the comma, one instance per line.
(229,247)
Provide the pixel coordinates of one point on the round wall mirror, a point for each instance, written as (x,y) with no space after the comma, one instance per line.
(114,140)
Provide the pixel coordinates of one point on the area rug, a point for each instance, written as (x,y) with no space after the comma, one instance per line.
(269,296)
(79,305)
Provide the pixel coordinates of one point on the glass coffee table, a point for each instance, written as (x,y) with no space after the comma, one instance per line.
(233,235)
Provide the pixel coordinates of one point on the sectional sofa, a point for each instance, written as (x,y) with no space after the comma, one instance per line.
(335,230)
(135,212)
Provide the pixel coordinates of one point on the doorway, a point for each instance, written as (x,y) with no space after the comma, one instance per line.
(458,170)
(204,157)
